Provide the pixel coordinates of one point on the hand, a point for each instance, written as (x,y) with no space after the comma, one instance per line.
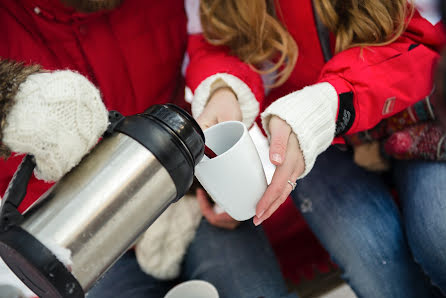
(57,117)
(222,106)
(221,220)
(285,153)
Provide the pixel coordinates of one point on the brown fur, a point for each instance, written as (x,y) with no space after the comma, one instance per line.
(12,74)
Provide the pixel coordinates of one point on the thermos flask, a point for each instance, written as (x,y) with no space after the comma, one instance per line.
(99,209)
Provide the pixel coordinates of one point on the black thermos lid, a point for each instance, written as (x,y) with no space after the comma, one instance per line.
(173,136)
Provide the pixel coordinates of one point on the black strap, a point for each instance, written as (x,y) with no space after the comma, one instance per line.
(324,36)
(346,114)
(15,193)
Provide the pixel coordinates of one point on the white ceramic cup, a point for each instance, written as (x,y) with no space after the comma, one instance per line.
(193,289)
(234,179)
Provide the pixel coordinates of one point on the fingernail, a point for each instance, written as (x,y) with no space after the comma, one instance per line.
(260,214)
(277,158)
(258,222)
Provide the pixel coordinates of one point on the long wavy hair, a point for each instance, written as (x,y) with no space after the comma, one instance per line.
(364,22)
(251,30)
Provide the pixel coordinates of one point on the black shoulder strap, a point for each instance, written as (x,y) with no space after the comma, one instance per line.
(324,35)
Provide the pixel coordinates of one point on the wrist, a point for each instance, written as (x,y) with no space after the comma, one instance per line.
(311,114)
(223,94)
(219,84)
(246,99)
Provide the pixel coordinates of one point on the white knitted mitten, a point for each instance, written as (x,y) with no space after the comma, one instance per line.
(311,113)
(57,117)
(161,249)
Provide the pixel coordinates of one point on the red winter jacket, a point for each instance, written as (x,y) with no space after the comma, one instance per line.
(133,53)
(399,73)
(384,80)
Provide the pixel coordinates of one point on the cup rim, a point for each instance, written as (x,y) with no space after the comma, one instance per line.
(245,130)
(194,281)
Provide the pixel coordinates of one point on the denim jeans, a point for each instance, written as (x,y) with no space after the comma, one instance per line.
(239,263)
(383,252)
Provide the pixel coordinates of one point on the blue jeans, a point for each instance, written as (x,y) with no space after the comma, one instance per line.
(239,263)
(383,253)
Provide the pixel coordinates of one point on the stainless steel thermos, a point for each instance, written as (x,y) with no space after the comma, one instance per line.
(99,209)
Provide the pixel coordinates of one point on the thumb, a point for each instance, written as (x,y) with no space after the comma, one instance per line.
(280,132)
(205,122)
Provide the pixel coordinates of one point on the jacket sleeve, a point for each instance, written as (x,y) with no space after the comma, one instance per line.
(385,80)
(359,87)
(210,67)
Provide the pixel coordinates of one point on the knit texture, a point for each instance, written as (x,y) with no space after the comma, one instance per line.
(161,249)
(57,118)
(246,98)
(426,141)
(311,113)
(414,133)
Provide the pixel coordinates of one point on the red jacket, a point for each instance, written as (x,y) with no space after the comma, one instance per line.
(133,54)
(379,74)
(385,80)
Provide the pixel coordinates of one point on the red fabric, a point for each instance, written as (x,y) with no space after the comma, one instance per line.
(207,60)
(393,75)
(374,74)
(133,53)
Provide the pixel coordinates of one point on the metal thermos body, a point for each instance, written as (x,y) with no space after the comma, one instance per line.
(100,208)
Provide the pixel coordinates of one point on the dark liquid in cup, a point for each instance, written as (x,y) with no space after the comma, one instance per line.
(209,153)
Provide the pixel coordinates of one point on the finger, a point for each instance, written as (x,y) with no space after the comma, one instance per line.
(280,132)
(275,189)
(276,204)
(207,118)
(224,220)
(205,206)
(290,170)
(205,123)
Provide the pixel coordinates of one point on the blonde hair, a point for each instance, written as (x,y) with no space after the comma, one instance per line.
(251,31)
(364,22)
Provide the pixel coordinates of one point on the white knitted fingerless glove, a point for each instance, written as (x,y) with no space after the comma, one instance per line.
(57,117)
(311,113)
(161,249)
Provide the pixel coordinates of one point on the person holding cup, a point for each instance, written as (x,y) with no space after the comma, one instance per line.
(385,53)
(64,63)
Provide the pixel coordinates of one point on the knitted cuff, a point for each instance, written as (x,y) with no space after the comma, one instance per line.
(12,74)
(246,98)
(311,113)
